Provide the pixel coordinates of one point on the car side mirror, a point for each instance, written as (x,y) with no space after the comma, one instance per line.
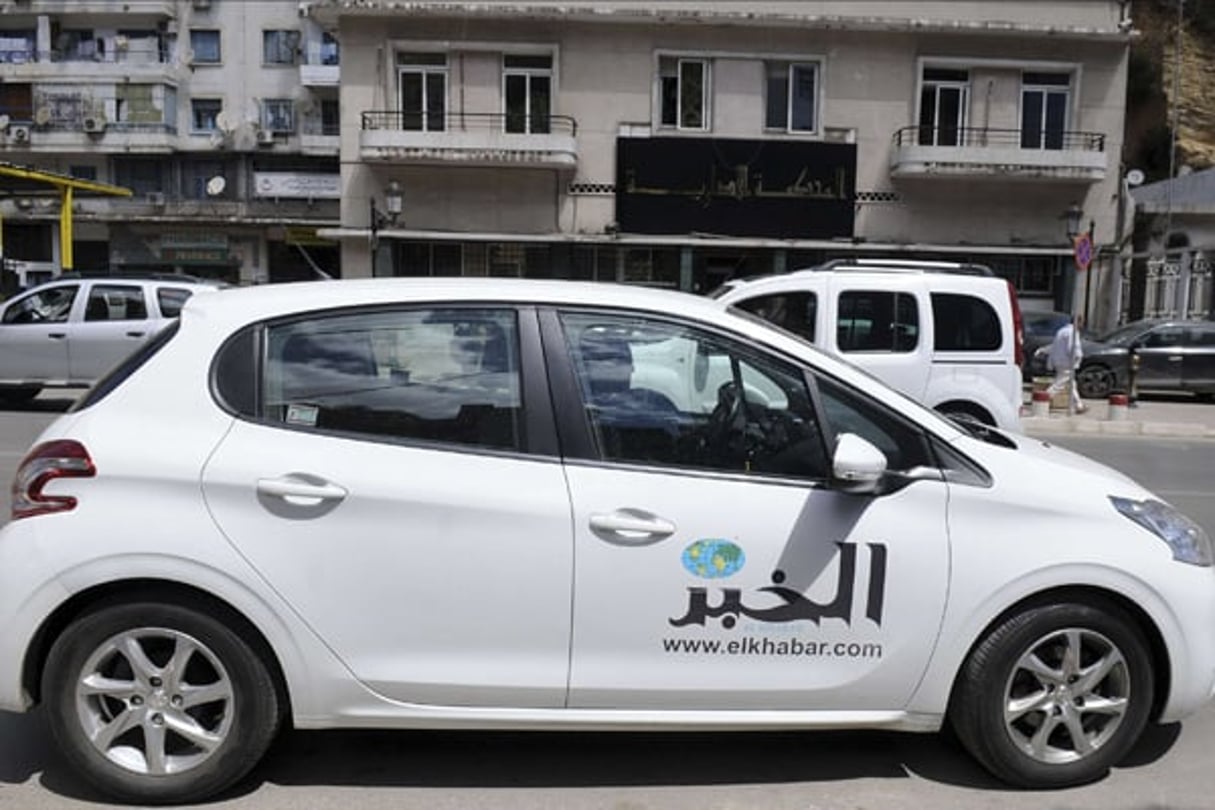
(856,465)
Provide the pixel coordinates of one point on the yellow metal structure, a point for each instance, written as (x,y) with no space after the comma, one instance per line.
(67,186)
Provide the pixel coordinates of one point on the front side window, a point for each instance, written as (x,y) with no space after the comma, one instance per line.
(944,97)
(449,376)
(204,44)
(1165,337)
(280,47)
(659,393)
(877,321)
(792,97)
(423,83)
(848,411)
(1044,103)
(964,323)
(528,92)
(792,311)
(684,93)
(46,306)
(205,113)
(114,302)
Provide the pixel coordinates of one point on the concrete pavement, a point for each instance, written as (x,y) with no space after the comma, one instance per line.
(1163,415)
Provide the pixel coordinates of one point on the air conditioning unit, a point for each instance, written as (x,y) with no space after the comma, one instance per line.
(265,137)
(19,134)
(94,124)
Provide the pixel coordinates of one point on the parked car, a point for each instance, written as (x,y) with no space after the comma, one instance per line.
(489,503)
(1173,355)
(1040,329)
(948,335)
(68,332)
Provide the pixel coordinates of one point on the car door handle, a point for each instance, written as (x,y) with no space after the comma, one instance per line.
(135,334)
(631,527)
(56,335)
(295,489)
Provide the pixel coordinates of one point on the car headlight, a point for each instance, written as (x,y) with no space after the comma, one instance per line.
(1189,541)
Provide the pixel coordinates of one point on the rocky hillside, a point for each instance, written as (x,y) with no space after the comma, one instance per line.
(1152,82)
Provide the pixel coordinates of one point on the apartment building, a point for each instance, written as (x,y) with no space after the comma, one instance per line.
(682,143)
(221,116)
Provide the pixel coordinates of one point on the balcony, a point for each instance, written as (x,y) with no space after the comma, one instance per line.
(469,139)
(166,9)
(140,61)
(96,134)
(999,154)
(318,136)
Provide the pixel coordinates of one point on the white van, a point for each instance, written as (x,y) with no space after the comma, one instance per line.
(948,335)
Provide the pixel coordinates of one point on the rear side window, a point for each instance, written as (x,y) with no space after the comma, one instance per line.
(791,311)
(436,375)
(964,323)
(115,302)
(877,321)
(171,300)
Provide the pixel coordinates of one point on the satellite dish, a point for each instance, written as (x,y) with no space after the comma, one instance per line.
(216,186)
(42,116)
(216,139)
(225,122)
(1134,177)
(4,119)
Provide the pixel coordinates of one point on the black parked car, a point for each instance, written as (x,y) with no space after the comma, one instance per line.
(1174,355)
(1040,327)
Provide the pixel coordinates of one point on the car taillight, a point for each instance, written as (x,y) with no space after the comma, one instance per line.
(63,458)
(1018,326)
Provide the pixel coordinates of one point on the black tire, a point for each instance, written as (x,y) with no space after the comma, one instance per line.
(177,743)
(18,394)
(1094,381)
(1024,750)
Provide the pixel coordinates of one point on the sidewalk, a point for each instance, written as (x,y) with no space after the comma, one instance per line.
(1163,415)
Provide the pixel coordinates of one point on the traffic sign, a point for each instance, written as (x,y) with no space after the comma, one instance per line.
(1083,251)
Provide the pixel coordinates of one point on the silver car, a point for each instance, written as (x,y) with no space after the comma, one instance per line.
(68,333)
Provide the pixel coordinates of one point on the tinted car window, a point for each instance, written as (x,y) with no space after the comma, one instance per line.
(792,311)
(964,323)
(665,394)
(876,321)
(44,306)
(847,411)
(436,375)
(1203,336)
(1165,336)
(113,302)
(171,300)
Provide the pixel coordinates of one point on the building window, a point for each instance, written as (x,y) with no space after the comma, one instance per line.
(141,175)
(944,98)
(792,97)
(83,172)
(205,46)
(1044,101)
(423,80)
(331,117)
(528,92)
(280,47)
(204,111)
(198,180)
(331,51)
(684,93)
(278,115)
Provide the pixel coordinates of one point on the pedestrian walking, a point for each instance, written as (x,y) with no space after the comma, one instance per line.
(1064,359)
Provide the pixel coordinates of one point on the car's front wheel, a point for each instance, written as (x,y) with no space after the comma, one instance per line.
(158,702)
(1055,695)
(1094,381)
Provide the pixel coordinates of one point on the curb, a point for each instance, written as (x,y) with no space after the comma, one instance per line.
(1095,427)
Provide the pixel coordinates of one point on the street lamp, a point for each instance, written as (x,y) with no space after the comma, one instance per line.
(394,200)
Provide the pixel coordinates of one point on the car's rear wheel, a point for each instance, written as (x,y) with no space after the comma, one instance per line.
(1094,381)
(158,702)
(1055,696)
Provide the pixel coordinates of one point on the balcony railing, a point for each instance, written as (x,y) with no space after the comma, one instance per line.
(482,139)
(974,152)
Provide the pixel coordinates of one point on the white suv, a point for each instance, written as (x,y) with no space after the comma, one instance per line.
(948,335)
(67,333)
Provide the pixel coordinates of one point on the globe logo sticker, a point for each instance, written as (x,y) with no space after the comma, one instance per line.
(713,559)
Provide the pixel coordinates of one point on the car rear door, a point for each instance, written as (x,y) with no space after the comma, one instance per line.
(884,325)
(714,568)
(395,478)
(1161,352)
(113,323)
(1198,365)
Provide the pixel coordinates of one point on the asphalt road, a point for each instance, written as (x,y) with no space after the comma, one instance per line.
(1171,768)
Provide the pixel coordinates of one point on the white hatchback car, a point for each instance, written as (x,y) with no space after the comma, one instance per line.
(69,332)
(453,504)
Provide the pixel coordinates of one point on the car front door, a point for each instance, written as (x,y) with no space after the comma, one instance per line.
(392,486)
(1160,354)
(34,334)
(114,324)
(715,568)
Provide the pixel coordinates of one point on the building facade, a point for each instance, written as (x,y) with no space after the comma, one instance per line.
(683,143)
(221,116)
